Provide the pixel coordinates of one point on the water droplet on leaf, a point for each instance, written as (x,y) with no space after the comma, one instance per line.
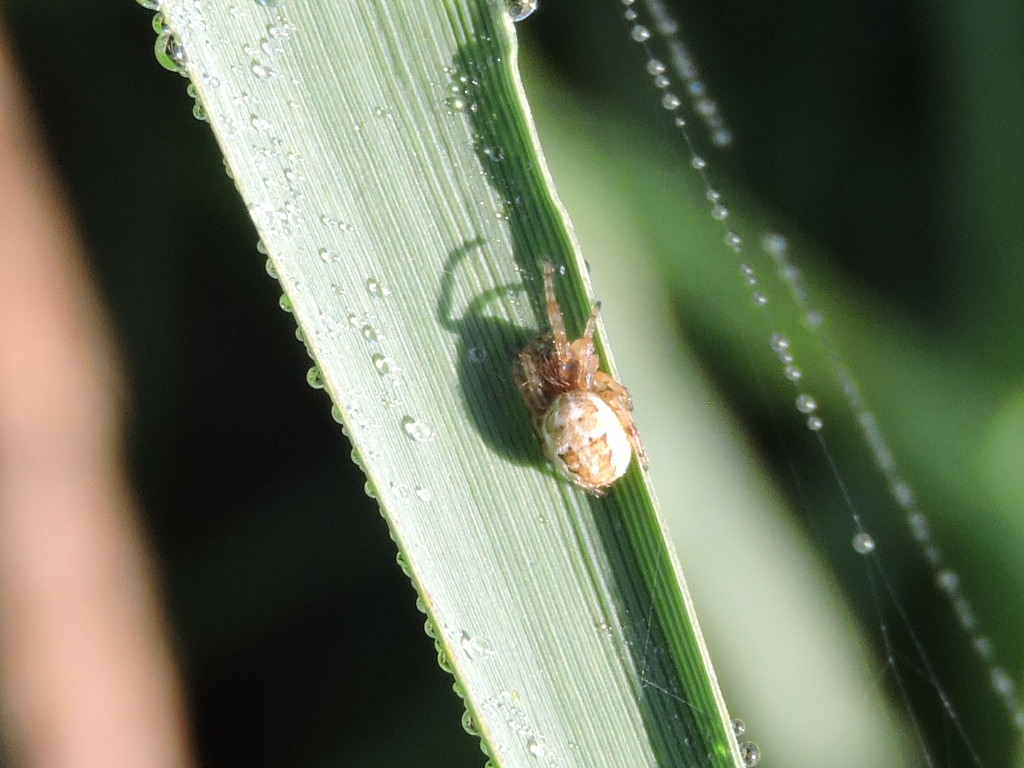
(417,430)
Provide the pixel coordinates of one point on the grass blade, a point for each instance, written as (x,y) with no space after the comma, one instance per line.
(387,157)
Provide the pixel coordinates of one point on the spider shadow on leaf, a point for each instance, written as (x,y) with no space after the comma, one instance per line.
(487,346)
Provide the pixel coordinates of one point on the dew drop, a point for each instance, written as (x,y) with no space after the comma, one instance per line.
(336,414)
(417,430)
(261,70)
(759,298)
(919,527)
(705,107)
(814,318)
(368,331)
(662,82)
(806,404)
(814,423)
(456,103)
(536,747)
(948,580)
(774,243)
(149,5)
(778,343)
(443,661)
(520,10)
(790,273)
(1002,683)
(285,303)
(863,543)
(984,647)
(271,269)
(719,212)
(640,33)
(477,354)
(169,52)
(751,754)
(403,563)
(375,288)
(268,3)
(475,648)
(327,256)
(655,67)
(198,110)
(904,493)
(734,241)
(698,163)
(670,102)
(965,613)
(722,137)
(423,493)
(496,154)
(381,364)
(315,377)
(792,373)
(738,727)
(260,123)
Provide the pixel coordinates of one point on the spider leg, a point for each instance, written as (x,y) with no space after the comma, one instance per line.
(582,364)
(530,381)
(588,332)
(586,359)
(555,319)
(638,446)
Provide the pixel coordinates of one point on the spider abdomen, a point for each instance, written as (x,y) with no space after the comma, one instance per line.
(586,440)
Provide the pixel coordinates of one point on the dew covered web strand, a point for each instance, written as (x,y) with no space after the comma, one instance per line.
(917,521)
(650,23)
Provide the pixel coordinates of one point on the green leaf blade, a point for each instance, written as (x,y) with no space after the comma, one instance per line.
(385,152)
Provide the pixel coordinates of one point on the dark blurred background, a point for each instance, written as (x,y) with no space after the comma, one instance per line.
(887,132)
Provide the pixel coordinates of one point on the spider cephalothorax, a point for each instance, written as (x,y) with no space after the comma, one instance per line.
(582,414)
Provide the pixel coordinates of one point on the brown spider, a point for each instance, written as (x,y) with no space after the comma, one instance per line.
(582,414)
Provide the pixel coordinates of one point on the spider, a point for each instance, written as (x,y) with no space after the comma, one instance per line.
(582,414)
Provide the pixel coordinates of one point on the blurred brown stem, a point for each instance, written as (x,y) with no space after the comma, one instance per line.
(86,677)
